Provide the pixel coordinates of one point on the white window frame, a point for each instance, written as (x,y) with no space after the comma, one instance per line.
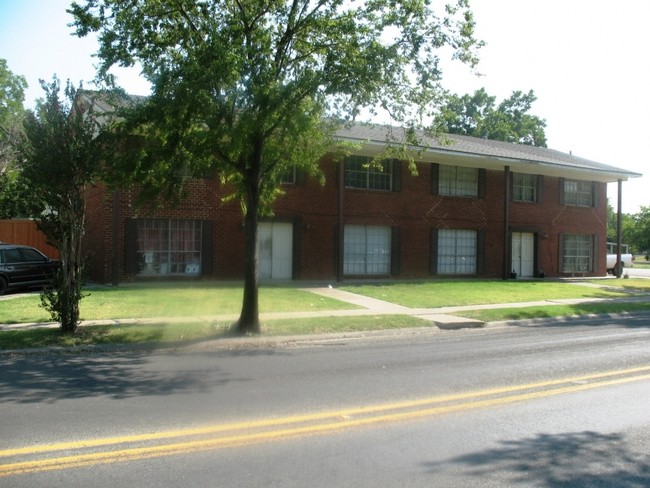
(524,187)
(169,247)
(361,173)
(288,177)
(457,181)
(366,250)
(577,253)
(579,193)
(457,251)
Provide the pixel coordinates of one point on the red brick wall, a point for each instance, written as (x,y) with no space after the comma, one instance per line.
(414,209)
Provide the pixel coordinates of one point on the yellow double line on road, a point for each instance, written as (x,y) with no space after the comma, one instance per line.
(66,455)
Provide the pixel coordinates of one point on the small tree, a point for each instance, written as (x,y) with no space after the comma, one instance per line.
(477,115)
(61,155)
(255,88)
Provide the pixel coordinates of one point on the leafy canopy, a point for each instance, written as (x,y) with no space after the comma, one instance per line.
(478,115)
(12,96)
(252,87)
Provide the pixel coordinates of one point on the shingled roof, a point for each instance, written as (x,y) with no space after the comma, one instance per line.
(444,148)
(485,153)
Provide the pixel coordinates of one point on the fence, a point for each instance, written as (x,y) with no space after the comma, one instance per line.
(25,232)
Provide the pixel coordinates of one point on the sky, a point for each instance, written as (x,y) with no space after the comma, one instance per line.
(586,61)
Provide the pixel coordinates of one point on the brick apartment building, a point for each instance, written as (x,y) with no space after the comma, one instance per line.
(477,208)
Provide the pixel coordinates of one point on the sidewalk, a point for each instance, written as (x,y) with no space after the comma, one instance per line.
(442,317)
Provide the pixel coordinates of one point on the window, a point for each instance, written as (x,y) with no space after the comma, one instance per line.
(360,173)
(457,181)
(457,251)
(577,253)
(524,187)
(169,247)
(366,250)
(580,193)
(288,176)
(30,255)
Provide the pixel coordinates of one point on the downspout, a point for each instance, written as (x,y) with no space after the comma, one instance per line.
(506,224)
(340,224)
(619,230)
(115,241)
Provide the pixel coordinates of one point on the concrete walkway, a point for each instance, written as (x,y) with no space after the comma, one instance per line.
(442,317)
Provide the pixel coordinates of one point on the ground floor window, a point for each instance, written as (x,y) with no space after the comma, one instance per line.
(169,247)
(457,251)
(366,250)
(577,253)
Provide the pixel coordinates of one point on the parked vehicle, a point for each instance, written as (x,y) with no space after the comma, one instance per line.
(25,267)
(627,260)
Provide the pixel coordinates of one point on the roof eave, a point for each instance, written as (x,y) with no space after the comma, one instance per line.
(498,163)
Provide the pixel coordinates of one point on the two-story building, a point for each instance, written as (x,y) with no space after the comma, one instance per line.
(476,208)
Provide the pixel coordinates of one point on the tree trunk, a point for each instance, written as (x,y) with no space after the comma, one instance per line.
(70,285)
(62,301)
(249,320)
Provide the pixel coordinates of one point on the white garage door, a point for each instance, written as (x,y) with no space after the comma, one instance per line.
(275,246)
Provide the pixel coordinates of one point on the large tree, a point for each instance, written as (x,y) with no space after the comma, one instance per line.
(253,88)
(478,115)
(12,96)
(60,155)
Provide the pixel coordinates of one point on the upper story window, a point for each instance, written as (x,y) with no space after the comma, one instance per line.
(458,181)
(360,173)
(524,187)
(288,176)
(576,192)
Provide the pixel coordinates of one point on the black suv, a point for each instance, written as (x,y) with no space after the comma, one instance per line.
(24,266)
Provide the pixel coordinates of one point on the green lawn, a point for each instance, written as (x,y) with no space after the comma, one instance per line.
(170,300)
(555,311)
(199,301)
(448,293)
(189,332)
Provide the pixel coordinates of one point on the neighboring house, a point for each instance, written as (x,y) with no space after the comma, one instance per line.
(477,208)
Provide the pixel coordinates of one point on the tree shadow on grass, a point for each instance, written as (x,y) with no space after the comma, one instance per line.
(577,460)
(48,378)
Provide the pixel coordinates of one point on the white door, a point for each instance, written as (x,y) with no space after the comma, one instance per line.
(275,246)
(523,254)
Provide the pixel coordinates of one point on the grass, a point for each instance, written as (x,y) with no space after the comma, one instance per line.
(210,299)
(170,300)
(189,332)
(463,292)
(554,311)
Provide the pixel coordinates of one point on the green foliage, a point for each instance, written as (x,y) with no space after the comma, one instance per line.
(635,228)
(15,198)
(12,95)
(640,230)
(252,89)
(60,156)
(477,115)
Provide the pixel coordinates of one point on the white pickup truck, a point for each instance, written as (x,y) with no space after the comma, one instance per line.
(626,257)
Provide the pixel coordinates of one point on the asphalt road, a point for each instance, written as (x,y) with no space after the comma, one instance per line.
(561,403)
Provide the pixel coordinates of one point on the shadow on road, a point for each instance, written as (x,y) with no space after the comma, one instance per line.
(577,460)
(48,378)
